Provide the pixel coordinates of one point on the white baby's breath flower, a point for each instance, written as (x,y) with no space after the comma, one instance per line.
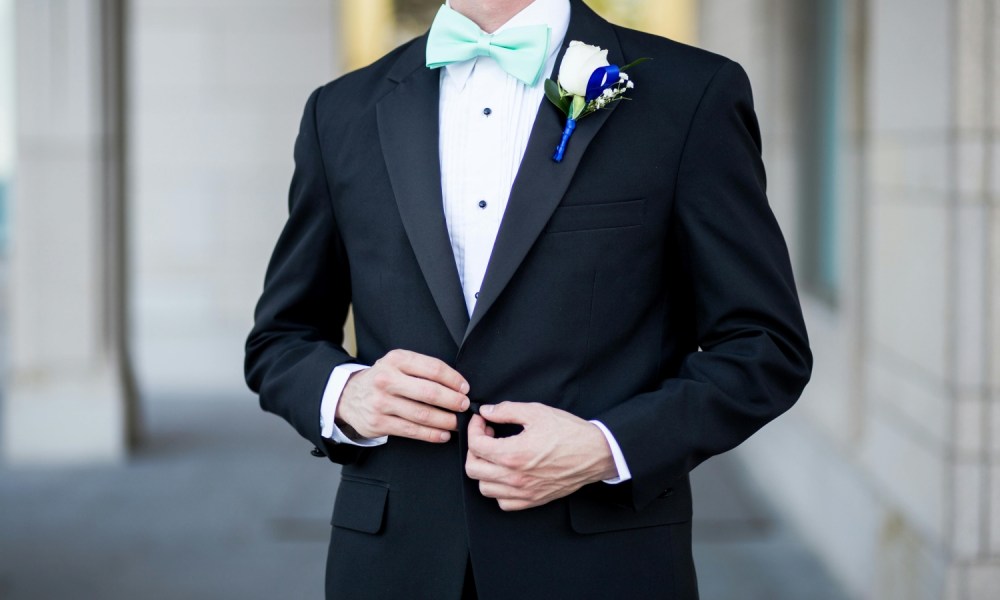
(630,85)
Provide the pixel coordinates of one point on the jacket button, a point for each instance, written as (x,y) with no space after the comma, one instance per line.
(666,492)
(317,452)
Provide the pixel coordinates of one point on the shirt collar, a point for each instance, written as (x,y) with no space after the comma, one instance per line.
(554,13)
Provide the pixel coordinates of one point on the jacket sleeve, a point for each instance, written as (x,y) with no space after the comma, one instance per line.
(297,337)
(755,359)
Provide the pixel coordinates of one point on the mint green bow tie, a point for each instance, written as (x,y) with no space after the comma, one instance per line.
(520,51)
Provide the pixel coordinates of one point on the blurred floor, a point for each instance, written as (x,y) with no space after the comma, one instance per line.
(742,550)
(224,502)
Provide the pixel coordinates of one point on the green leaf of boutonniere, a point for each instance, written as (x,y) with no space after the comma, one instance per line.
(635,62)
(554,92)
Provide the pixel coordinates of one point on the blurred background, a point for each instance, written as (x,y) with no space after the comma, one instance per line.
(145,154)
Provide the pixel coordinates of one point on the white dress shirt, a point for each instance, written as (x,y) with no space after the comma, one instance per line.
(485,118)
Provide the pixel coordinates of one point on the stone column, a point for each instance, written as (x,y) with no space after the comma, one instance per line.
(69,394)
(972,539)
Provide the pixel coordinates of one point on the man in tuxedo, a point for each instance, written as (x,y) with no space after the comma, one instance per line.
(545,349)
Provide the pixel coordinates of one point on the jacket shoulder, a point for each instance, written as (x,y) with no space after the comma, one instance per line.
(361,88)
(690,58)
(674,63)
(680,72)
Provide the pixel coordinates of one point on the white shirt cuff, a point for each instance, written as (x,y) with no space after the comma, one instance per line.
(328,407)
(616,452)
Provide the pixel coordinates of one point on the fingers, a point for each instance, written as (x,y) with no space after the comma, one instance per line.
(510,498)
(404,394)
(500,483)
(408,429)
(481,442)
(381,417)
(520,413)
(508,505)
(423,414)
(555,455)
(478,427)
(393,379)
(427,392)
(500,491)
(428,367)
(483,470)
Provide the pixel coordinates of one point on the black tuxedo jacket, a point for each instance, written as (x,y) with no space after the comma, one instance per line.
(643,282)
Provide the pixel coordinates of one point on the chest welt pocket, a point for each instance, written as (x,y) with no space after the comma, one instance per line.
(360,505)
(585,217)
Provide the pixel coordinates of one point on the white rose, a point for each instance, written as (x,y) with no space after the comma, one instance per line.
(578,64)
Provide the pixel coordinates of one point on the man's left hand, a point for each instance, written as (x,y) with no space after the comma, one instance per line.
(555,455)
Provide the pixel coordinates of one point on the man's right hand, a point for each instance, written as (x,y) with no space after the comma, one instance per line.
(404,394)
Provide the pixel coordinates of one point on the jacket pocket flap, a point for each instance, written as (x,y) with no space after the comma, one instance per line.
(588,514)
(360,505)
(585,217)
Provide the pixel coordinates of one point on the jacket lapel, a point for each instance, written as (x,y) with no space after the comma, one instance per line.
(541,182)
(408,132)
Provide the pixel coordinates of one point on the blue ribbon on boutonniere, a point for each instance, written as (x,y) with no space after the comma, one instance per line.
(603,84)
(602,79)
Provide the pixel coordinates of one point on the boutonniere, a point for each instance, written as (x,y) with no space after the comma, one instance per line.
(586,83)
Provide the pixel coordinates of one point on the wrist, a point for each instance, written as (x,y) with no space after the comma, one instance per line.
(338,416)
(604,463)
(349,431)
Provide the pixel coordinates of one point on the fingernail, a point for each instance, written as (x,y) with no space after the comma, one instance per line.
(465,387)
(445,436)
(465,405)
(486,409)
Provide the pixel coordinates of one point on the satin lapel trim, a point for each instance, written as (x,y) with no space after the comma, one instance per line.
(541,182)
(408,131)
